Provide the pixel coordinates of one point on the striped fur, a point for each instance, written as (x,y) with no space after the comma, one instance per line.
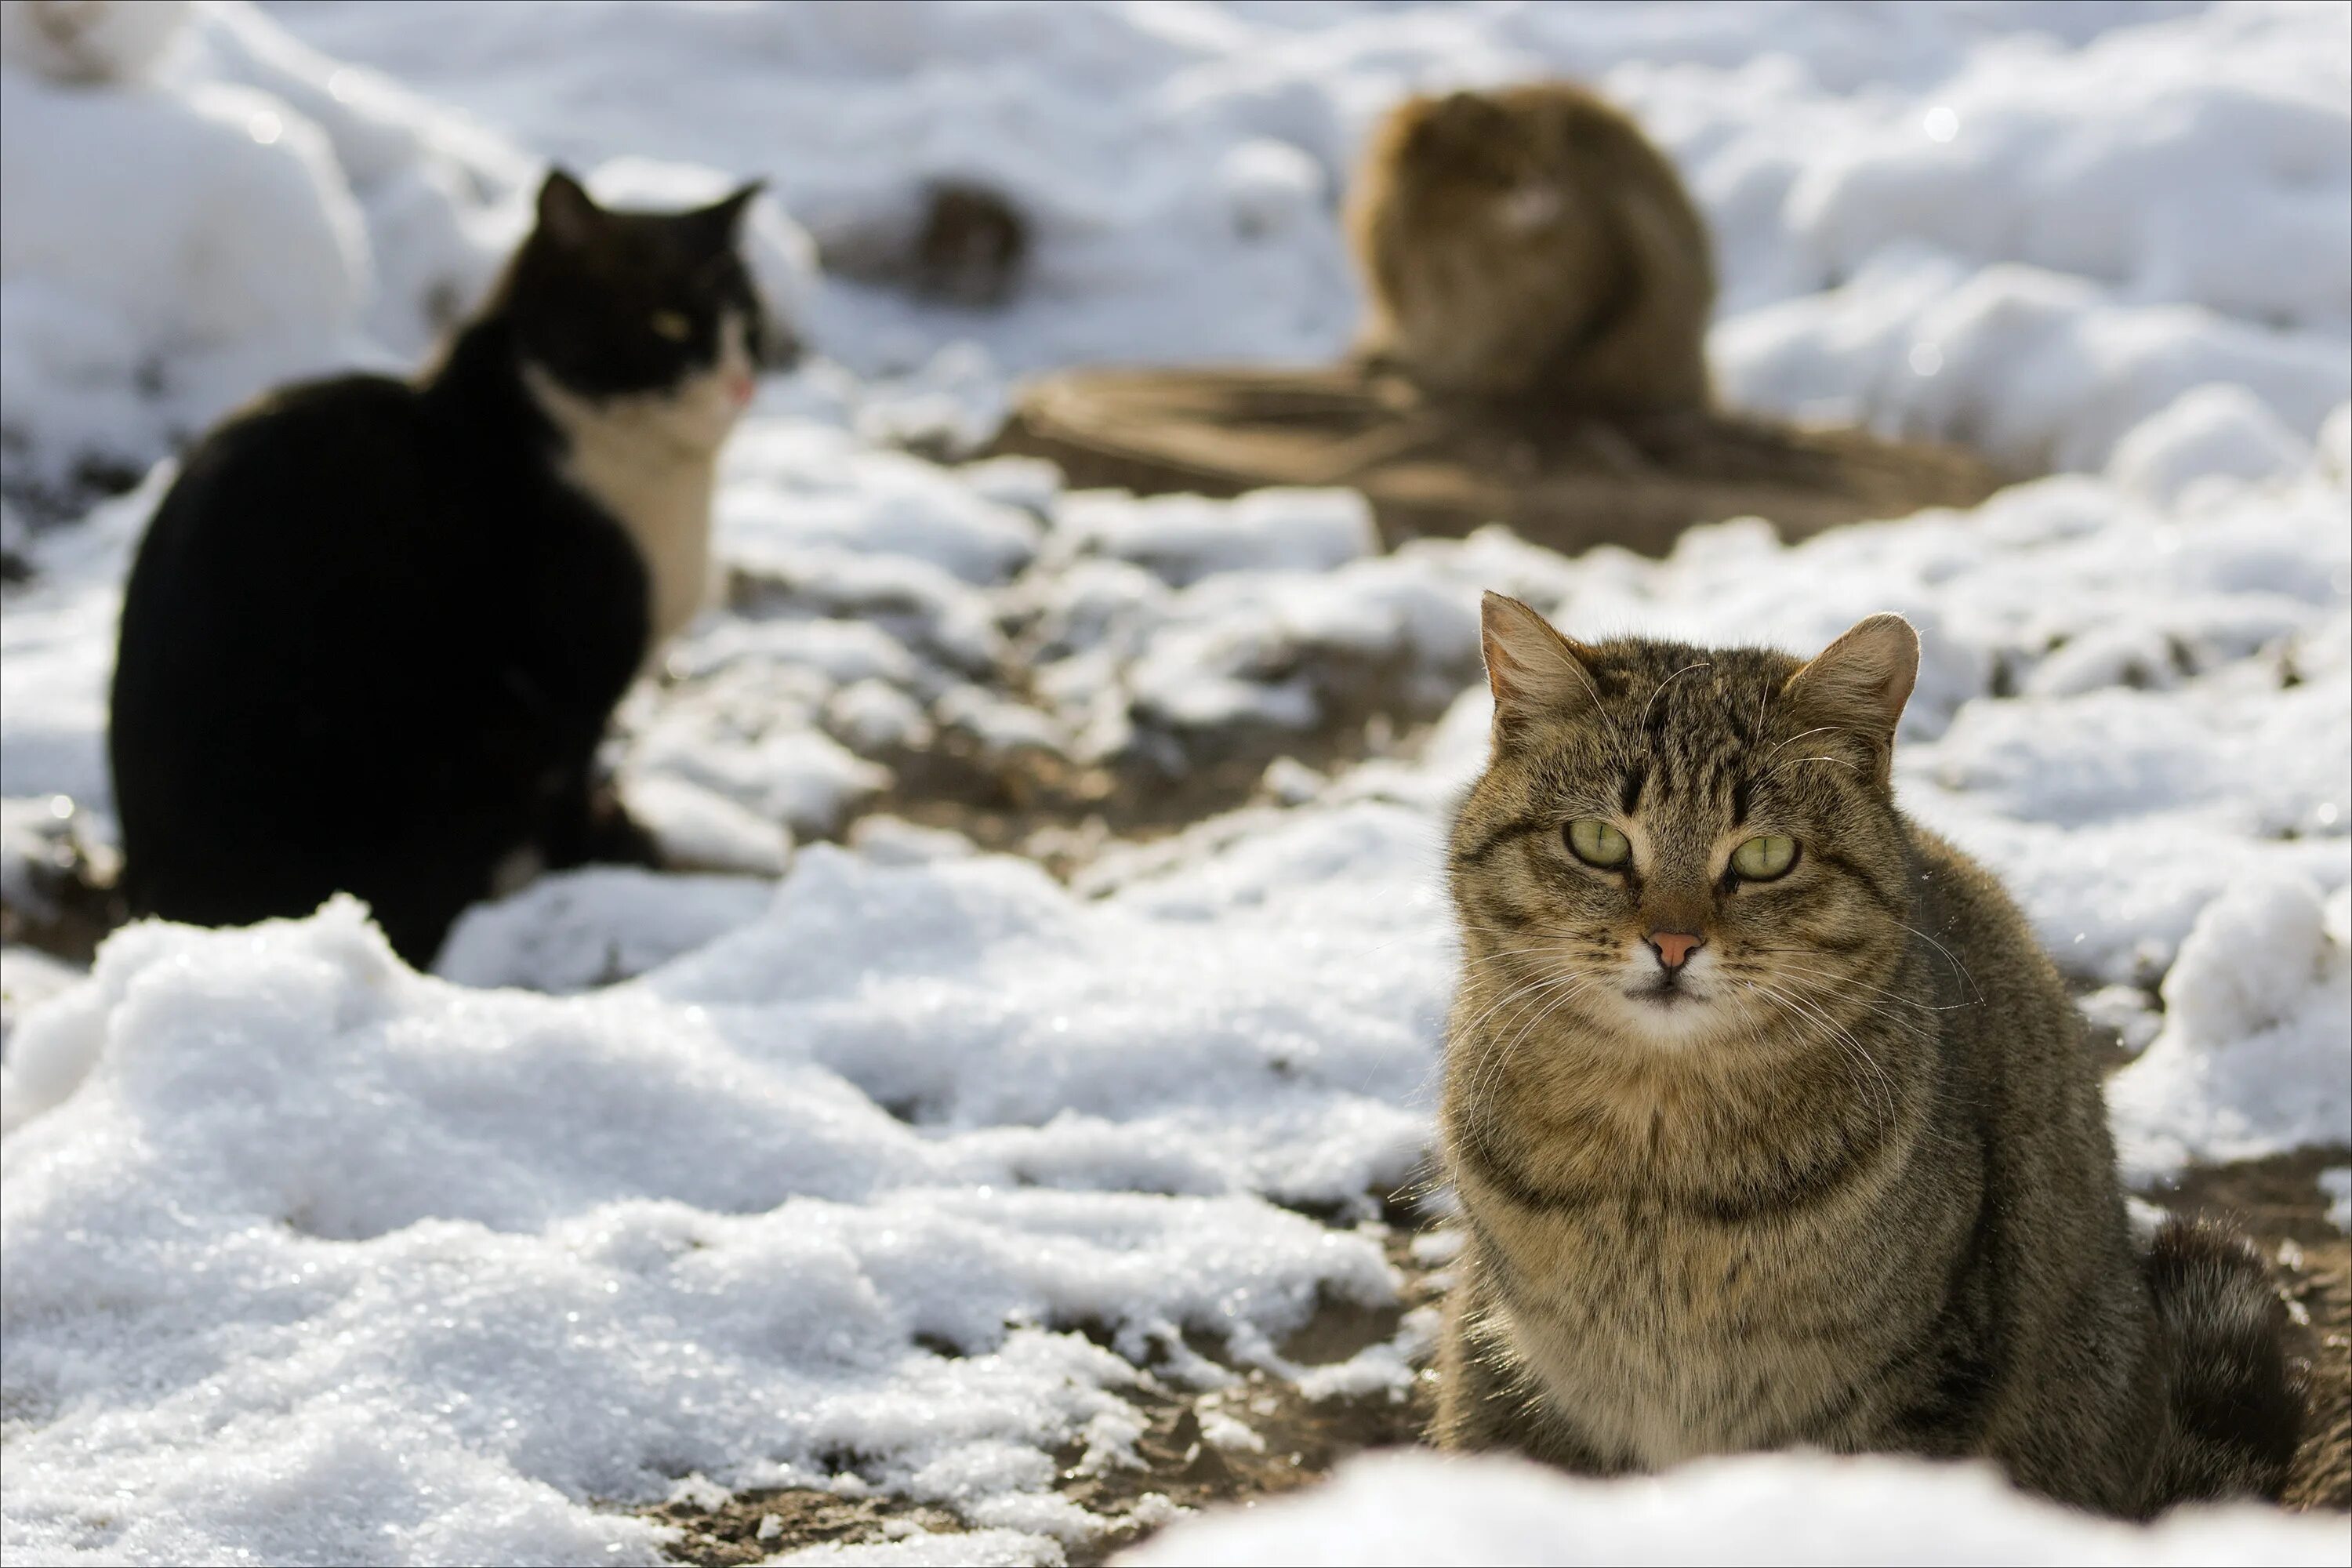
(1850,1187)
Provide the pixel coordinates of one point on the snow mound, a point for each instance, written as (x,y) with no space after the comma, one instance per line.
(2336,1182)
(847,1190)
(2218,431)
(201,243)
(1425,1509)
(579,930)
(2252,1057)
(28,978)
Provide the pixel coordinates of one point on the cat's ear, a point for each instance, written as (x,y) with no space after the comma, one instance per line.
(716,227)
(1861,682)
(1533,671)
(567,214)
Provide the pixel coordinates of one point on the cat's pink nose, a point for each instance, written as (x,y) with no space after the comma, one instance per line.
(1674,948)
(740,388)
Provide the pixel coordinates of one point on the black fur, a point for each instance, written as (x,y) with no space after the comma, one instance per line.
(372,639)
(2237,1408)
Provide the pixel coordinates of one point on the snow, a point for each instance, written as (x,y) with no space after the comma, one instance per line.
(1181,539)
(456,1260)
(223,208)
(698,828)
(2251,1058)
(2031,227)
(1409,1509)
(575,930)
(694,1180)
(2218,430)
(2336,1182)
(799,778)
(100,43)
(912,1097)
(28,977)
(968,1549)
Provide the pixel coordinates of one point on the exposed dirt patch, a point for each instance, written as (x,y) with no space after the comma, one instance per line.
(1062,815)
(60,897)
(760,1522)
(1034,793)
(71,931)
(1261,1436)
(1258,1436)
(50,500)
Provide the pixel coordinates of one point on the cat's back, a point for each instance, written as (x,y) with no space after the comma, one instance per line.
(268,473)
(2067,1315)
(2021,1081)
(284,558)
(347,407)
(1997,992)
(307,541)
(1578,125)
(286,505)
(1532,239)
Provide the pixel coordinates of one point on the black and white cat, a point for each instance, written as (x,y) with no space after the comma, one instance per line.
(376,628)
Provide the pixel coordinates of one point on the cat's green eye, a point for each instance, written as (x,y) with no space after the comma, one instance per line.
(670,324)
(1596,842)
(1762,859)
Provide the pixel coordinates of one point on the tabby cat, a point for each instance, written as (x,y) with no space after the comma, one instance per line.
(1531,242)
(374,632)
(1771,1122)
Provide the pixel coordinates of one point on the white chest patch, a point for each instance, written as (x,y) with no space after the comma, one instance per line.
(651,460)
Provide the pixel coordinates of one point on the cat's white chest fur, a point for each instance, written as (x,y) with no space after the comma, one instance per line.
(651,460)
(663,499)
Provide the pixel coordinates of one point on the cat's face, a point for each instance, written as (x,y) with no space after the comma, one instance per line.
(654,311)
(1681,846)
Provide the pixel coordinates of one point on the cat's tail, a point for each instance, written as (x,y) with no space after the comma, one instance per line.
(2237,1403)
